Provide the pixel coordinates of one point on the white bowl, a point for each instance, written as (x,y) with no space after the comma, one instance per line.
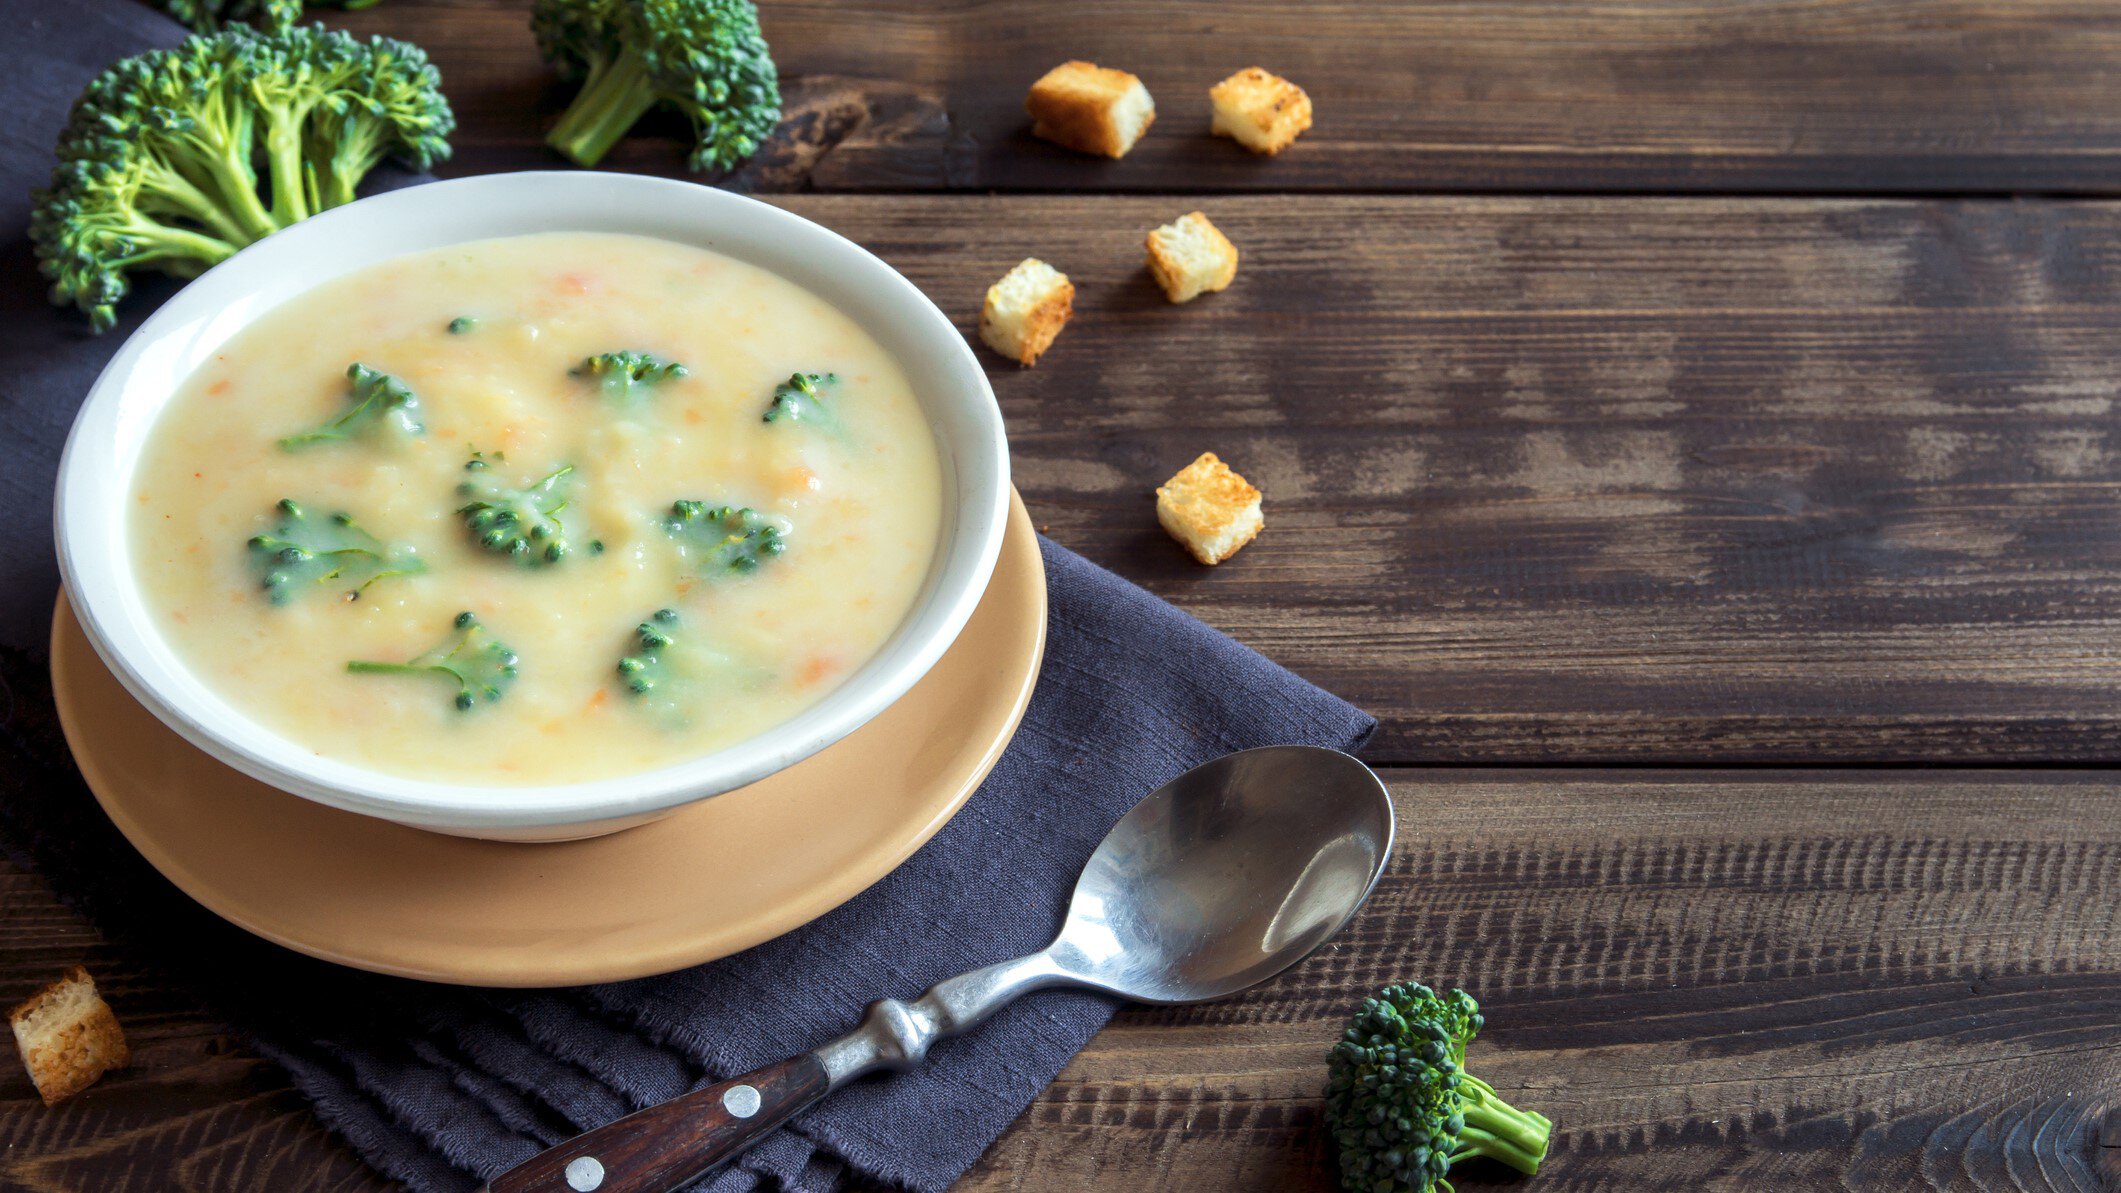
(96,476)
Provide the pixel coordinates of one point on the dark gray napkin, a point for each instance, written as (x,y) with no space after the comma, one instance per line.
(47,357)
(440,1087)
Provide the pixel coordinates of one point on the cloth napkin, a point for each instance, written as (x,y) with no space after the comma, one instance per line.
(442,1087)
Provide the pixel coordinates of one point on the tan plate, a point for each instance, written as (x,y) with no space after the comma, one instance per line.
(702,883)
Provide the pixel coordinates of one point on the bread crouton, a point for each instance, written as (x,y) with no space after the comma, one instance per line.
(1190,257)
(1026,309)
(1089,108)
(1210,509)
(68,1037)
(1263,112)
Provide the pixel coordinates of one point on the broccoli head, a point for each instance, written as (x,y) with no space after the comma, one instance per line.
(305,552)
(380,401)
(174,159)
(481,664)
(207,16)
(521,522)
(800,400)
(624,375)
(705,58)
(670,664)
(387,103)
(1401,1105)
(723,539)
(642,670)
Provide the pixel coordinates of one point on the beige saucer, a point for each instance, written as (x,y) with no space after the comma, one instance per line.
(702,883)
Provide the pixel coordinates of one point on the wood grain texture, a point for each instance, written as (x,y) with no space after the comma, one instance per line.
(1686,481)
(1864,981)
(1845,981)
(1676,95)
(192,1113)
(1582,481)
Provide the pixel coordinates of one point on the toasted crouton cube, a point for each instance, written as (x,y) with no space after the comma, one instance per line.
(1190,257)
(1263,112)
(68,1037)
(1089,108)
(1026,309)
(1210,509)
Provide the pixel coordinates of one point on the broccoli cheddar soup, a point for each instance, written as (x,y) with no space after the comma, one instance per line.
(537,510)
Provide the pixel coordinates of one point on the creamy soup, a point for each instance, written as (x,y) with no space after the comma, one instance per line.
(484,557)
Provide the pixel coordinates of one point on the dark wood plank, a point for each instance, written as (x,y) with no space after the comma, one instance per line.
(1845,981)
(1596,480)
(1694,95)
(1709,980)
(194,1113)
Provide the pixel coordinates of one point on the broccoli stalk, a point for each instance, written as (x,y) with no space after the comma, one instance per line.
(521,522)
(284,100)
(302,552)
(619,92)
(1401,1105)
(481,664)
(379,400)
(156,163)
(723,539)
(706,58)
(623,375)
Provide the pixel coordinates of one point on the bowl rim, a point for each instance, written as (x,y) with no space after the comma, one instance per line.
(125,401)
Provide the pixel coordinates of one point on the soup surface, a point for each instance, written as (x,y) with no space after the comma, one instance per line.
(641,632)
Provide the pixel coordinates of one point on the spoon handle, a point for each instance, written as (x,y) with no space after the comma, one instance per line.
(661,1148)
(668,1144)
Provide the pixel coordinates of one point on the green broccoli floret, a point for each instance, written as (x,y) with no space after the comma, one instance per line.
(461,324)
(304,552)
(798,400)
(206,16)
(670,665)
(705,58)
(723,539)
(1401,1105)
(389,104)
(174,159)
(642,670)
(481,664)
(624,375)
(521,522)
(379,400)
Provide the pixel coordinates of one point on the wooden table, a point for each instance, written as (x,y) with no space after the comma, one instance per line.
(1688,426)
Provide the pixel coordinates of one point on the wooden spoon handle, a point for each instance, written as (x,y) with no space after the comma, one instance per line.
(661,1148)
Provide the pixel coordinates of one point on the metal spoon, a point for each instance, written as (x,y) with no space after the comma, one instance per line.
(1221,878)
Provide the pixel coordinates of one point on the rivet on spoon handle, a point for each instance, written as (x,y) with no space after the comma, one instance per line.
(669,1144)
(663,1147)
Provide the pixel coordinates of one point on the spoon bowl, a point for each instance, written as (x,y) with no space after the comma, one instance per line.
(1218,880)
(1227,875)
